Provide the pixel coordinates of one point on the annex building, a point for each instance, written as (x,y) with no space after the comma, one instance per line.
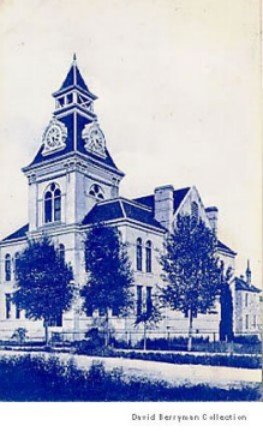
(74,183)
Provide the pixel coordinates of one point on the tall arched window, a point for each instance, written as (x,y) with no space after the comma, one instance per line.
(194,211)
(8,267)
(148,248)
(139,254)
(52,204)
(57,205)
(96,191)
(61,251)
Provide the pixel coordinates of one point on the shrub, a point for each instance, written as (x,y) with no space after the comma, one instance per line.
(247,339)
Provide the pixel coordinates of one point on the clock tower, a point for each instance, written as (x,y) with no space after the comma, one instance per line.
(73,169)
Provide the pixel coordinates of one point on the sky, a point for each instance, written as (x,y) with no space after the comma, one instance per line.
(178,83)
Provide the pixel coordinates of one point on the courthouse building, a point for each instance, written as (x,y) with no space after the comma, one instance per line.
(74,183)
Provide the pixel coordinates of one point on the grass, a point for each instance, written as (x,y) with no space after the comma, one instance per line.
(27,378)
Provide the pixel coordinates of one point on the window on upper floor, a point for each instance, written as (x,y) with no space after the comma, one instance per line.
(8,267)
(139,254)
(246,300)
(96,191)
(148,255)
(52,204)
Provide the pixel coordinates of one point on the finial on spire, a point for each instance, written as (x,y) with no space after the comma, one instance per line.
(74,57)
(248,265)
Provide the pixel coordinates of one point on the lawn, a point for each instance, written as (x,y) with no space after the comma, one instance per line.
(47,378)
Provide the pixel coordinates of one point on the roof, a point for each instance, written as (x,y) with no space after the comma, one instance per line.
(225,248)
(120,208)
(74,79)
(71,146)
(20,233)
(178,196)
(242,285)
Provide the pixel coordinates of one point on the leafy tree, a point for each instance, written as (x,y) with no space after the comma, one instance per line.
(43,281)
(149,317)
(190,270)
(109,274)
(226,303)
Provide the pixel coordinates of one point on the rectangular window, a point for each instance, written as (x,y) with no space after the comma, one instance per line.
(247,322)
(56,321)
(255,321)
(139,300)
(18,311)
(8,306)
(115,311)
(246,300)
(148,300)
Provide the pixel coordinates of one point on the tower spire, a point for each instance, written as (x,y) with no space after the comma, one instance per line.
(248,273)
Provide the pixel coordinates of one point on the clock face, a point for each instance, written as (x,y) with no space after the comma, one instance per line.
(94,139)
(53,136)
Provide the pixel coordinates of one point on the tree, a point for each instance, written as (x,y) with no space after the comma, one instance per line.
(190,270)
(109,274)
(226,303)
(149,316)
(43,281)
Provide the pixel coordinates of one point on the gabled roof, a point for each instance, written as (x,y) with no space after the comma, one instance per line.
(20,233)
(74,79)
(178,196)
(221,246)
(242,285)
(120,208)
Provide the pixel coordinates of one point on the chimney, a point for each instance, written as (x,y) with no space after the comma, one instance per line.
(248,274)
(212,214)
(164,205)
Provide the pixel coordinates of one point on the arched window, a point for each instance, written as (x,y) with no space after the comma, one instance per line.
(8,267)
(96,191)
(148,248)
(139,254)
(57,205)
(52,204)
(194,211)
(16,257)
(61,251)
